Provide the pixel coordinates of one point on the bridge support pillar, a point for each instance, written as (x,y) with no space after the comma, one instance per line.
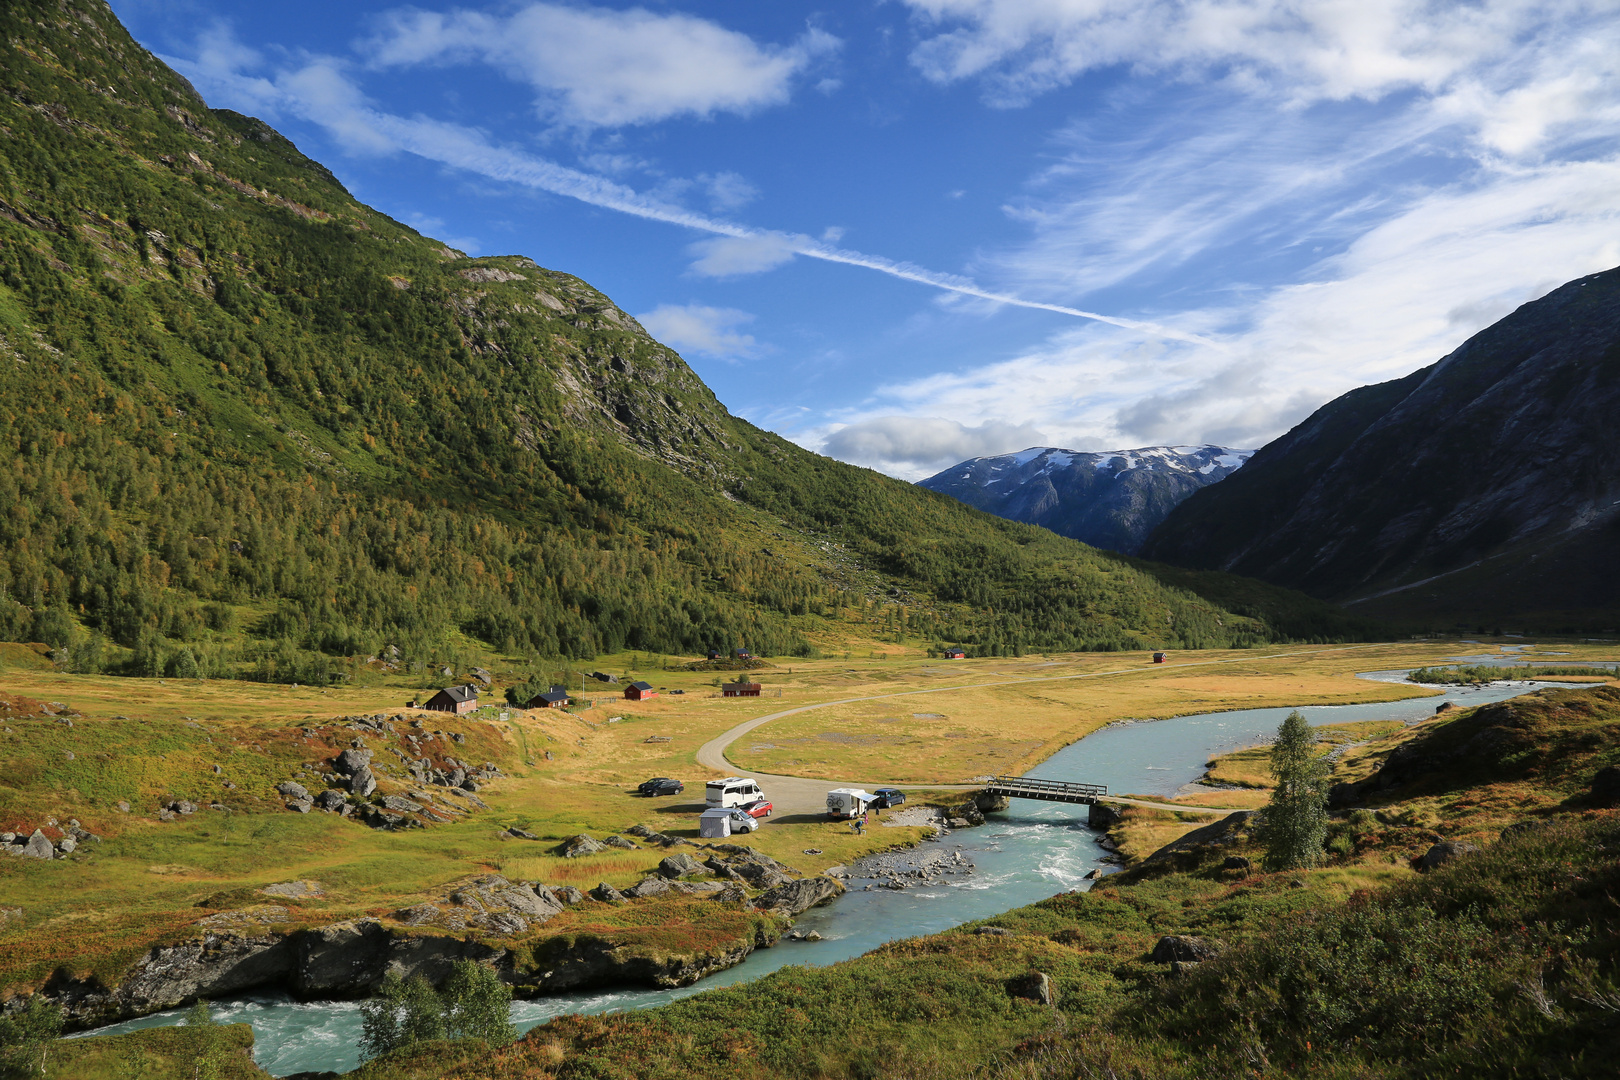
(1102,816)
(990,804)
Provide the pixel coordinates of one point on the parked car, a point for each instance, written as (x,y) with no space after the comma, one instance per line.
(758,808)
(661,785)
(724,820)
(888,798)
(742,821)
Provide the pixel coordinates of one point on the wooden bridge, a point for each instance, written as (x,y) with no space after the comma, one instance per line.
(1027,787)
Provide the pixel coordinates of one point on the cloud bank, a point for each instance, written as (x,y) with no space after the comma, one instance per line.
(917,447)
(705,331)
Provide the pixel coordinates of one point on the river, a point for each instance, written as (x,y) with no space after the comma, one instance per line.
(1026,854)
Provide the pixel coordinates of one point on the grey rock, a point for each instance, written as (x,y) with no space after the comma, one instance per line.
(1443,852)
(301,806)
(66,845)
(990,804)
(680,865)
(1102,816)
(731,894)
(123,807)
(1093,874)
(1035,986)
(352,761)
(183,806)
(576,846)
(330,800)
(652,886)
(1174,947)
(793,897)
(291,789)
(362,782)
(994,931)
(526,901)
(400,805)
(638,830)
(38,847)
(568,894)
(618,842)
(607,894)
(520,834)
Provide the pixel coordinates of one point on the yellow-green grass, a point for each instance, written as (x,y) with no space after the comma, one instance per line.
(165,1053)
(1251,767)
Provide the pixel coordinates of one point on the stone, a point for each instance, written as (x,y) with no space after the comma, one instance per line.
(1173,947)
(66,845)
(994,931)
(123,807)
(651,886)
(525,900)
(295,890)
(618,842)
(607,894)
(763,874)
(568,894)
(300,806)
(401,805)
(331,800)
(958,823)
(811,936)
(680,865)
(1093,874)
(363,783)
(1237,862)
(991,804)
(38,847)
(1036,986)
(1606,786)
(1102,816)
(520,834)
(352,761)
(291,789)
(639,830)
(418,915)
(578,846)
(731,894)
(182,806)
(793,897)
(1442,853)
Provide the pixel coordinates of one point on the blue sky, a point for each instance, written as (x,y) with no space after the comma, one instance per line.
(914,231)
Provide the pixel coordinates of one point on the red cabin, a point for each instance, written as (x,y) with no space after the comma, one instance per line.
(640,691)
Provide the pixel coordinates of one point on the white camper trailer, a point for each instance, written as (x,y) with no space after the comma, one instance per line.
(846,803)
(732,791)
(714,824)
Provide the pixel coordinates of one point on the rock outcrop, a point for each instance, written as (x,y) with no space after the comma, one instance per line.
(793,897)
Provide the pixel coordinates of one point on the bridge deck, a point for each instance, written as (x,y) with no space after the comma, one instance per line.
(1028,787)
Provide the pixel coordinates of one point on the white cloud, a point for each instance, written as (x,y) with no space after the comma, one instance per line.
(728,190)
(729,256)
(597,67)
(707,331)
(916,447)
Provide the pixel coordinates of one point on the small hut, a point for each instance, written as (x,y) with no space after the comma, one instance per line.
(639,691)
(454,699)
(954,653)
(740,689)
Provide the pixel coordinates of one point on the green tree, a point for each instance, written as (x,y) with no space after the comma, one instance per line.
(183,665)
(26,1035)
(206,1042)
(404,1012)
(1296,817)
(477,1004)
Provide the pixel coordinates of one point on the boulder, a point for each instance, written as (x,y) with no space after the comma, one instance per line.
(1442,853)
(639,830)
(994,931)
(1173,947)
(618,842)
(538,906)
(793,897)
(731,894)
(362,783)
(680,865)
(568,894)
(38,847)
(331,800)
(1230,830)
(650,886)
(1237,862)
(1035,986)
(66,845)
(291,789)
(352,761)
(607,894)
(183,806)
(576,846)
(400,805)
(1102,816)
(300,806)
(991,804)
(1093,874)
(759,874)
(516,833)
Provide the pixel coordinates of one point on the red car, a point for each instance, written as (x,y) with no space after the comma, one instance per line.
(758,808)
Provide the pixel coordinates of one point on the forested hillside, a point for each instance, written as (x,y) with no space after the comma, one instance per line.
(254,420)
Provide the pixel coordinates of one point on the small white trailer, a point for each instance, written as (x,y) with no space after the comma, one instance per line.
(846,803)
(713,824)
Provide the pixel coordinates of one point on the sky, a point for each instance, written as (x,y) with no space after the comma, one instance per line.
(909,232)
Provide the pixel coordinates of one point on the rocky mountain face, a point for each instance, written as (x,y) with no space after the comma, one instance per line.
(1111,499)
(1483,488)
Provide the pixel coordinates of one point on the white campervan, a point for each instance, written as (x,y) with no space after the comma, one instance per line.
(732,791)
(848,802)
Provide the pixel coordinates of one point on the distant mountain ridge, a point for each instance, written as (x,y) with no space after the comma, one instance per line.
(1109,499)
(1483,490)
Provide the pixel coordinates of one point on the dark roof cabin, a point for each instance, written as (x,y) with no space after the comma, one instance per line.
(640,691)
(454,699)
(555,698)
(740,689)
(955,654)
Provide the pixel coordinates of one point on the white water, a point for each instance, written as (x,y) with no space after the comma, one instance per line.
(1027,854)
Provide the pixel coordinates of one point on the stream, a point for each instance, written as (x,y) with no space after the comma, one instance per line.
(1026,854)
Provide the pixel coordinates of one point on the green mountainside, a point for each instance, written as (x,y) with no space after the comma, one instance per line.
(1480,492)
(253,418)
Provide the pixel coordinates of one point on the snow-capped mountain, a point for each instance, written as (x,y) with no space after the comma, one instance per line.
(1110,500)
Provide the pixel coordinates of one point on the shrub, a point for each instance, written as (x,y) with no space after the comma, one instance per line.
(25,1037)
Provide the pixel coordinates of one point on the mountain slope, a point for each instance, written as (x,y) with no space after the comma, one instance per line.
(1111,499)
(1483,488)
(246,402)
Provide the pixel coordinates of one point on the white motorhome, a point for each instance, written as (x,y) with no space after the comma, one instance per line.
(732,791)
(848,803)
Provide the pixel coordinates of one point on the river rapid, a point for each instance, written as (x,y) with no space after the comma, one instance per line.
(1026,854)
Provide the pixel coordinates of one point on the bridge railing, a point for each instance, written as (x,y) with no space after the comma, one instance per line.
(1062,788)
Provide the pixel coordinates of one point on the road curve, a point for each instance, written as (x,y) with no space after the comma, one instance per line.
(803,795)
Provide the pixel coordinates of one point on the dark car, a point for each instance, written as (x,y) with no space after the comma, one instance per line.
(758,808)
(887,798)
(661,785)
